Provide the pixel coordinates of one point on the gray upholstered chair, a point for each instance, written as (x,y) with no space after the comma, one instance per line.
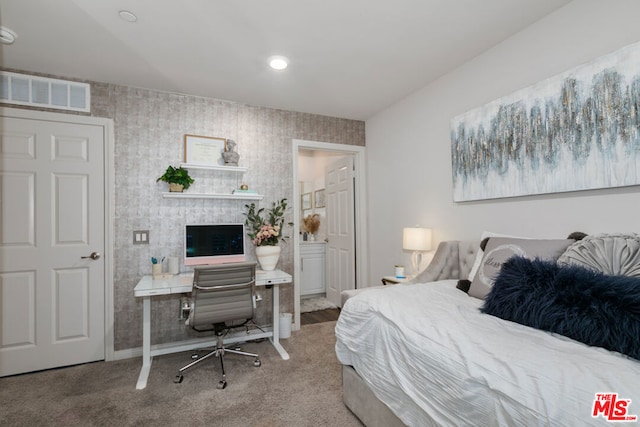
(222,298)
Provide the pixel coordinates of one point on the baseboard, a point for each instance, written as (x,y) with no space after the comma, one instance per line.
(127,354)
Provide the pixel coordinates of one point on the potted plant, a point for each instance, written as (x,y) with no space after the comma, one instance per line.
(266,232)
(177,178)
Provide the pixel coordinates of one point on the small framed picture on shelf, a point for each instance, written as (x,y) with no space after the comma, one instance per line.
(305,201)
(319,196)
(204,150)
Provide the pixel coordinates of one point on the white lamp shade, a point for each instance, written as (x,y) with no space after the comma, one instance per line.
(416,239)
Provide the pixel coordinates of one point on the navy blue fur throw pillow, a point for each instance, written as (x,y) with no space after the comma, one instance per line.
(573,301)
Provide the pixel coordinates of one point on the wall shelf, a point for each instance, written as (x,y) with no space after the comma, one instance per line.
(169,195)
(238,169)
(225,196)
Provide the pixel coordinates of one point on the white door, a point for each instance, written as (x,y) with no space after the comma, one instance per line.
(341,256)
(52,219)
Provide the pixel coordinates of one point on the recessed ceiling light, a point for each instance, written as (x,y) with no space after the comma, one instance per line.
(128,16)
(7,36)
(278,62)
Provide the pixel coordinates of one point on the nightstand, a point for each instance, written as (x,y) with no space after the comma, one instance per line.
(393,280)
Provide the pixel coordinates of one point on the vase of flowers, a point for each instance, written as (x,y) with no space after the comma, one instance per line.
(268,256)
(265,229)
(311,225)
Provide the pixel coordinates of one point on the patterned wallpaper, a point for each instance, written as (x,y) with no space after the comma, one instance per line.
(149,130)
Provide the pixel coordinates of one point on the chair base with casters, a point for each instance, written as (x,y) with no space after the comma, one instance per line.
(222,295)
(219,353)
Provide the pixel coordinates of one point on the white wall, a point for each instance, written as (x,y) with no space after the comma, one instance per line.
(408,144)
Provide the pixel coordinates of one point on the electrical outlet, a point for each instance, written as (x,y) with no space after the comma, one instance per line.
(141,237)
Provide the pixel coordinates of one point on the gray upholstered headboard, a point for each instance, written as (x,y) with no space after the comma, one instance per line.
(467,251)
(453,260)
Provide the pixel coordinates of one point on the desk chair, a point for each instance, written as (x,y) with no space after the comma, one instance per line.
(221,294)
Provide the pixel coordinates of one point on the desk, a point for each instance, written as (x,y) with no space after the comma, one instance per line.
(148,287)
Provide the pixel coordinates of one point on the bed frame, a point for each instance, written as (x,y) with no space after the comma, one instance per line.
(363,403)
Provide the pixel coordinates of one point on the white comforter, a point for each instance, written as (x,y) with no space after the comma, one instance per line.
(428,353)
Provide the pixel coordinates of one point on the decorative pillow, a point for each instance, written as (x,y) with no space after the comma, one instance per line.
(577,302)
(607,253)
(500,249)
(483,237)
(463,285)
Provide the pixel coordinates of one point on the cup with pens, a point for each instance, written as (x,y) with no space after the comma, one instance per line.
(156,267)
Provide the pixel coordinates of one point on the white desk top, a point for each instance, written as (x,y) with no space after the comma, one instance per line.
(182,283)
(273,277)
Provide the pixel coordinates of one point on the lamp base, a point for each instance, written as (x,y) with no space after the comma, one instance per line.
(416,262)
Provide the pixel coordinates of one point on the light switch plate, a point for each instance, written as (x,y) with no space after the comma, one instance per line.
(141,237)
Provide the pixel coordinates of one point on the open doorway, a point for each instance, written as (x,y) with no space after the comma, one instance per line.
(310,160)
(315,271)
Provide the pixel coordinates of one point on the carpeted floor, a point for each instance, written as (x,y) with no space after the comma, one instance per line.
(303,391)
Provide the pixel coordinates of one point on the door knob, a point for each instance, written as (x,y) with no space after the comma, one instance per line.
(94,256)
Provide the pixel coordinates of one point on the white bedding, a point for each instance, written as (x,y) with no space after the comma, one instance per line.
(428,353)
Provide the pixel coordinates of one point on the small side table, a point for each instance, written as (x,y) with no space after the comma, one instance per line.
(393,280)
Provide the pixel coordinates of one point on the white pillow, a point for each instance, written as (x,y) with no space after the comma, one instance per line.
(478,261)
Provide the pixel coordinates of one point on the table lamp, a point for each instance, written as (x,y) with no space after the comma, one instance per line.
(418,240)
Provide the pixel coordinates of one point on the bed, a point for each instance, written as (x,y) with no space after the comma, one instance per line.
(423,354)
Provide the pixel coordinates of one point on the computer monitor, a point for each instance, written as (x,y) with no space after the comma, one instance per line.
(213,244)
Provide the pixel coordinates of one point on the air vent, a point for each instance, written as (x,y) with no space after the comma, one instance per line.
(23,89)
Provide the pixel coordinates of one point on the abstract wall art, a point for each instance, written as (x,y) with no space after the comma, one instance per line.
(579,130)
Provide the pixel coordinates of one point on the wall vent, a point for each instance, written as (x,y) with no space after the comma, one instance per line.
(23,89)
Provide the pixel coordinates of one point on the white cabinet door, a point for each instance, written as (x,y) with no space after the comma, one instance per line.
(312,269)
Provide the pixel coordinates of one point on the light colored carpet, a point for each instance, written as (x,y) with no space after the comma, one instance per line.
(308,305)
(303,391)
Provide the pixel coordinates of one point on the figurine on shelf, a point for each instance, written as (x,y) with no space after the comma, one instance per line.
(229,154)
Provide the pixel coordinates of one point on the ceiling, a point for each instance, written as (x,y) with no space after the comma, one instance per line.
(349,58)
